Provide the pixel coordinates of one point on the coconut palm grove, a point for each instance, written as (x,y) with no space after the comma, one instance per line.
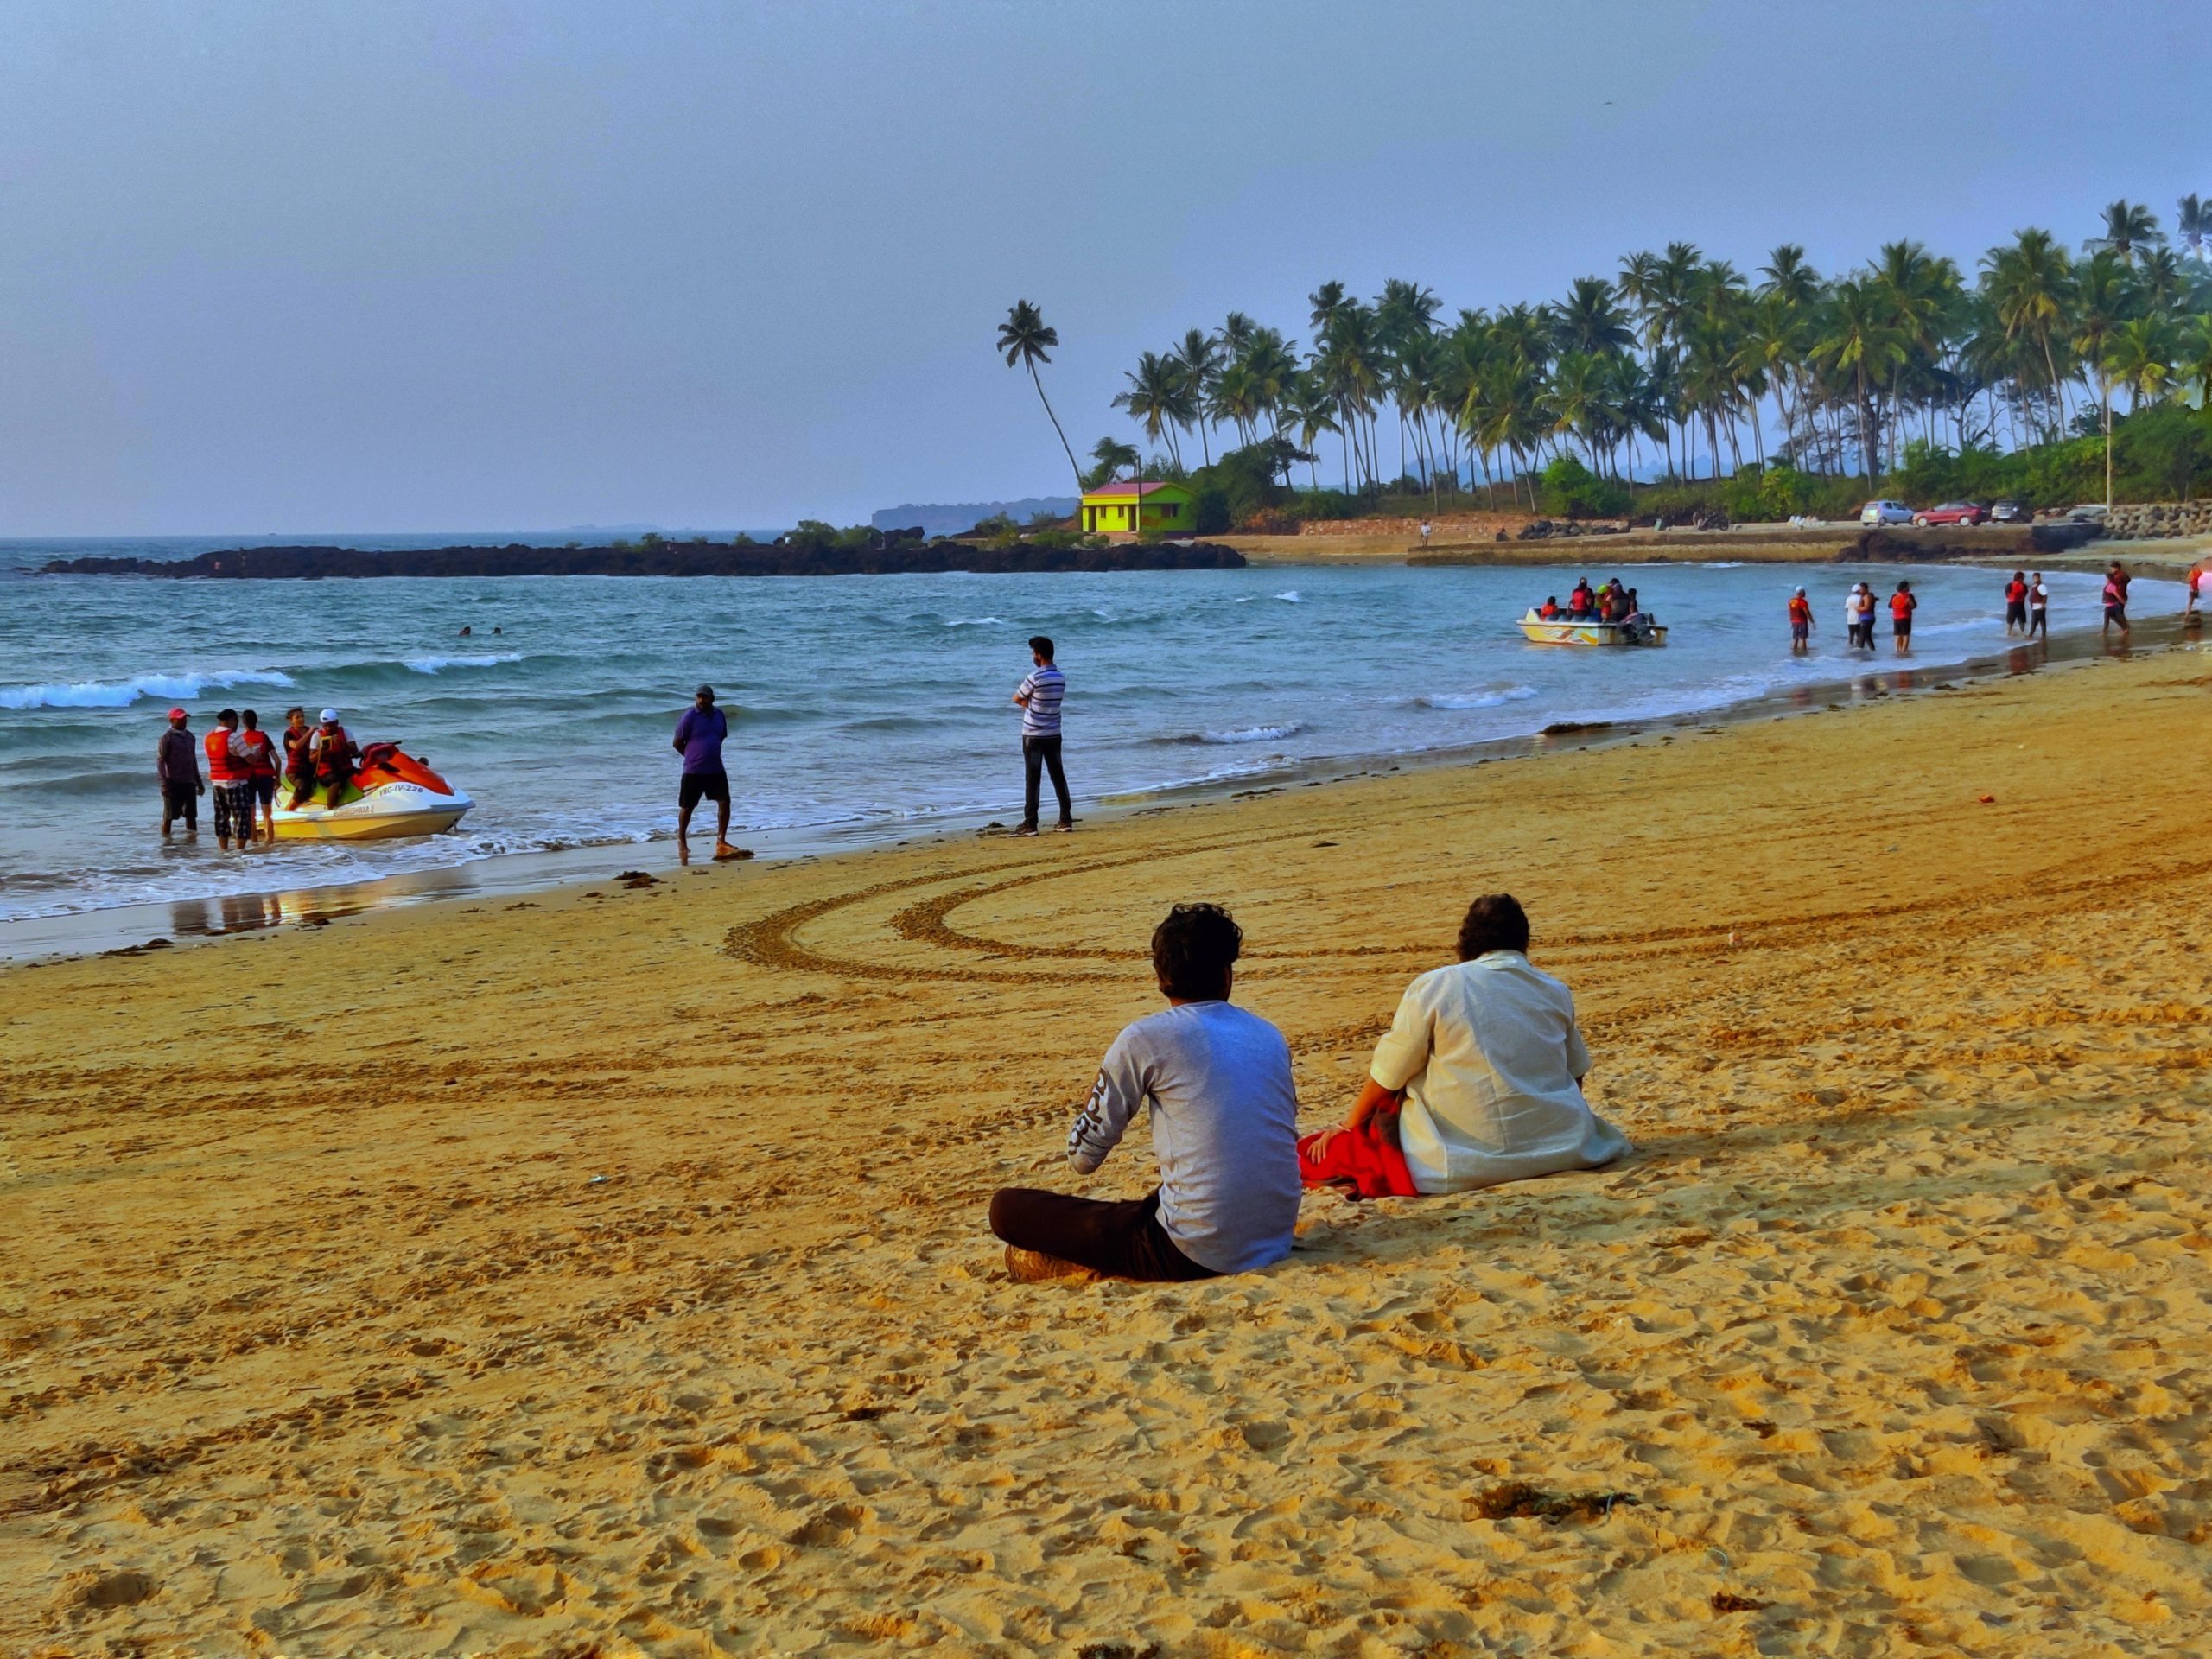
(1681,383)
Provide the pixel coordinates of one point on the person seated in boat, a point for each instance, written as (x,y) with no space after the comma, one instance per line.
(332,760)
(1578,602)
(1478,1081)
(1550,611)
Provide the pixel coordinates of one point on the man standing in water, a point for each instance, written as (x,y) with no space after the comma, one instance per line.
(2038,608)
(699,736)
(1038,697)
(1902,606)
(176,763)
(230,771)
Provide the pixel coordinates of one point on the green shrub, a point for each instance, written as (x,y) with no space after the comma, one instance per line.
(1568,489)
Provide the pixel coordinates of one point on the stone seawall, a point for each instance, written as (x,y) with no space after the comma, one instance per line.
(2133,521)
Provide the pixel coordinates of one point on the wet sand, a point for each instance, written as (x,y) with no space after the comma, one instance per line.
(604,1271)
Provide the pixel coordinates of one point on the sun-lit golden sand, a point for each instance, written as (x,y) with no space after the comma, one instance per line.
(605,1274)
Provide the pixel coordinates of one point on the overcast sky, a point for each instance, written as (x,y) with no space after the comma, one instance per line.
(296,266)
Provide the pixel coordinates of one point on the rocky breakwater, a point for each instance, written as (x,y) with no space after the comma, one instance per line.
(2136,521)
(659,559)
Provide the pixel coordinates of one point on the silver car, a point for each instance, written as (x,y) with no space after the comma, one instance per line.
(1885,512)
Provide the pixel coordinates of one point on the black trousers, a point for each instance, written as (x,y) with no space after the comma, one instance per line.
(1123,1238)
(1042,754)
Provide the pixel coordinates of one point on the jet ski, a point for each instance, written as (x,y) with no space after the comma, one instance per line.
(390,794)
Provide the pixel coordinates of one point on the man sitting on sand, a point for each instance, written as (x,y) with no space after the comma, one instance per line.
(1478,1081)
(1224,1127)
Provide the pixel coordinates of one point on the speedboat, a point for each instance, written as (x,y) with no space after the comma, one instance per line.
(1561,631)
(392,794)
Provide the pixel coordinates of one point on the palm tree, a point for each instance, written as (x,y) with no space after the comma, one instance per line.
(2031,283)
(1158,399)
(1200,354)
(2142,360)
(1025,339)
(1788,276)
(2195,359)
(2103,298)
(2193,219)
(1589,320)
(2129,225)
(1858,335)
(1111,458)
(1306,409)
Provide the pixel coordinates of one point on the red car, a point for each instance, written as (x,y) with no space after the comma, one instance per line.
(1953,512)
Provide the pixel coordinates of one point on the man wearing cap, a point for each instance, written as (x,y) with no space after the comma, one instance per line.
(699,736)
(1801,622)
(331,759)
(176,763)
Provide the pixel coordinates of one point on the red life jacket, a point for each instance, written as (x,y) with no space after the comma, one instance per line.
(2015,591)
(1901,606)
(261,760)
(221,769)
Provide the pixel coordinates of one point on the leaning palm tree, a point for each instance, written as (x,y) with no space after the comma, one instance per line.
(1024,338)
(1200,353)
(2129,227)
(1158,399)
(1110,459)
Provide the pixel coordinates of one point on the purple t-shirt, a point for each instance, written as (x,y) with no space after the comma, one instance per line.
(701,734)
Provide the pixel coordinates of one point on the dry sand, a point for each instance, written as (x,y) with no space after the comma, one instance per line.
(606,1274)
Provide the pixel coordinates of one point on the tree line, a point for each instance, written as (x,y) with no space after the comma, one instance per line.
(1678,358)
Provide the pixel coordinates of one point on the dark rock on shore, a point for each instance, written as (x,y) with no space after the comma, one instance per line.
(1925,546)
(903,557)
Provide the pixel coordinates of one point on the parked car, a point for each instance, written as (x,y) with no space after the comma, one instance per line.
(2010,513)
(1953,512)
(1885,512)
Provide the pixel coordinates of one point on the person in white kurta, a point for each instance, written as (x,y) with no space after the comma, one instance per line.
(1488,1061)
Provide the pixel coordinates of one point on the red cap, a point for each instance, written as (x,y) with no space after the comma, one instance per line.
(176,714)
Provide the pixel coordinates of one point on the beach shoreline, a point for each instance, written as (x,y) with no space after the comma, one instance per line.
(165,923)
(626,1280)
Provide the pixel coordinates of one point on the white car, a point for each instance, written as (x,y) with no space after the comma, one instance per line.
(1885,512)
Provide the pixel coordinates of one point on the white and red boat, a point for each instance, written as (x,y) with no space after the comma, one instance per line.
(1564,631)
(392,794)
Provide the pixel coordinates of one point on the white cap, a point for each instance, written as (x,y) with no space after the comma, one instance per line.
(1801,592)
(330,716)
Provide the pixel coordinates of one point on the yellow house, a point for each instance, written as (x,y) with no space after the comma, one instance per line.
(1126,507)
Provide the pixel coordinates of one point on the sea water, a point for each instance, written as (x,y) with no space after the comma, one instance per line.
(860,706)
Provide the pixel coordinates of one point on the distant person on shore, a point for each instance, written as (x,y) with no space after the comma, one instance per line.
(1424,532)
(1225,1127)
(261,775)
(1038,697)
(176,763)
(1801,623)
(2115,599)
(2016,604)
(331,759)
(1478,1081)
(298,770)
(230,775)
(2038,608)
(1902,606)
(699,737)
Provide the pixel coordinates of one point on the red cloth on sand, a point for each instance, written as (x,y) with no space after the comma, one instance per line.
(1366,1159)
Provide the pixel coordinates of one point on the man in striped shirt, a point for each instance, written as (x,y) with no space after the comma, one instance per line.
(1038,697)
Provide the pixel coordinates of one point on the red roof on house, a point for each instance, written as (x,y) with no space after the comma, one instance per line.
(1127,486)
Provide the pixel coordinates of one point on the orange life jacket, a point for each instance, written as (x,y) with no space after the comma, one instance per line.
(221,768)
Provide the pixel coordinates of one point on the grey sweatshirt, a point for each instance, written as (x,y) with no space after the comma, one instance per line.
(1224,1127)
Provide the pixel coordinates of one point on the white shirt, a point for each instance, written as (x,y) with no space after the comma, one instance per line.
(1491,1063)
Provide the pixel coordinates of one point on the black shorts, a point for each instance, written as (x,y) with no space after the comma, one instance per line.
(1801,630)
(1902,627)
(2116,613)
(703,786)
(2016,610)
(180,801)
(265,790)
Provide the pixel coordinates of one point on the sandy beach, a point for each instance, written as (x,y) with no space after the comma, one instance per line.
(605,1273)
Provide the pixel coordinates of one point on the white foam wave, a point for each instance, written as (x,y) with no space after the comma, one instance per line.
(1254,734)
(1289,596)
(121,694)
(435,664)
(976,622)
(1491,699)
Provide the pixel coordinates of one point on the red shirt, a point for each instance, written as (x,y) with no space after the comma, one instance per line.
(1800,610)
(2015,592)
(1901,606)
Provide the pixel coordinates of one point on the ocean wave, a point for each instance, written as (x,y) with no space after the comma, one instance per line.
(1240,734)
(975,622)
(121,694)
(1289,596)
(1489,699)
(438,664)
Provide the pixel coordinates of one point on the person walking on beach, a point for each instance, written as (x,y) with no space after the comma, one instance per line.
(229,775)
(2016,604)
(1224,1127)
(1801,623)
(1038,697)
(2038,608)
(699,736)
(261,776)
(176,763)
(2115,599)
(1902,606)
